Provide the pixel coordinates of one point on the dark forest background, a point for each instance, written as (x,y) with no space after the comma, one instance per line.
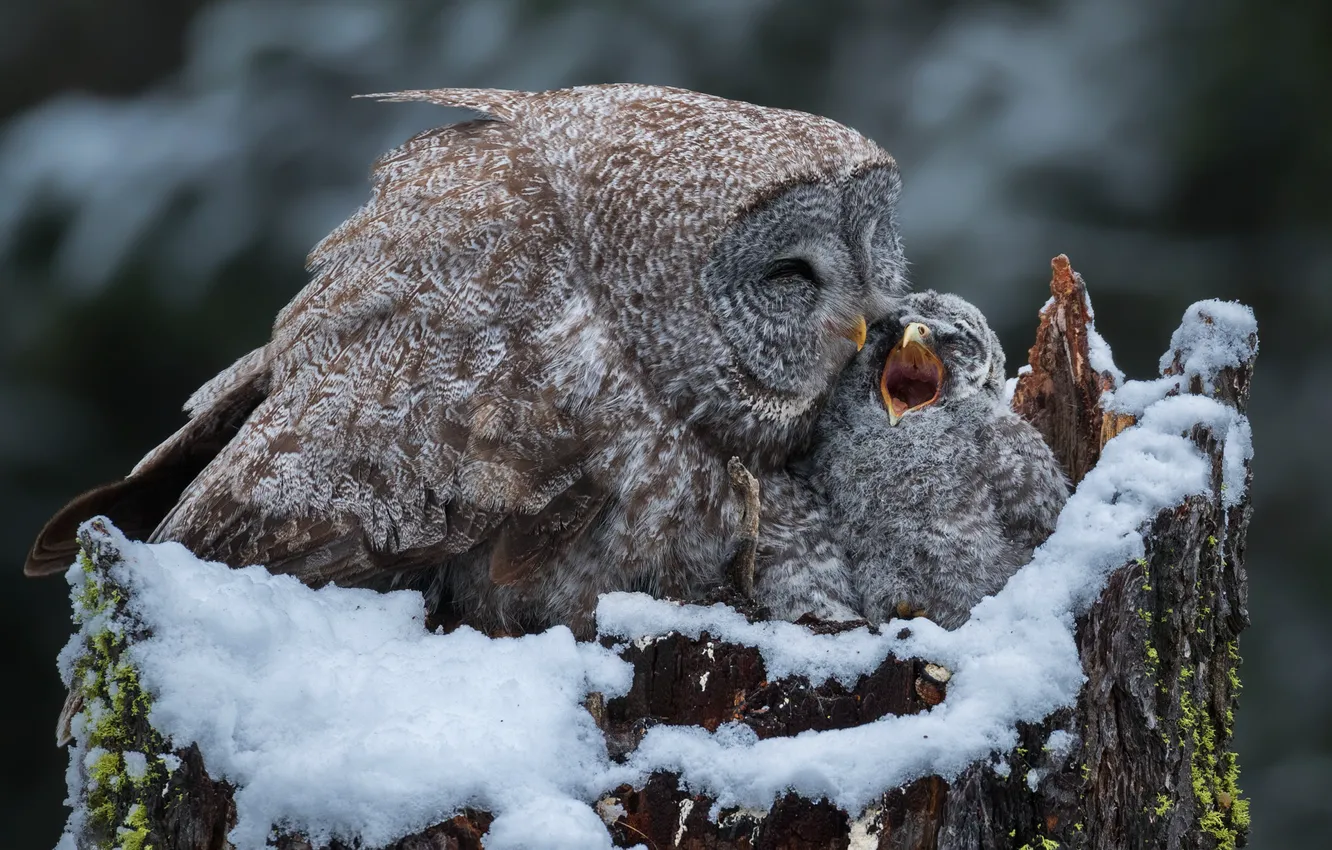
(166,164)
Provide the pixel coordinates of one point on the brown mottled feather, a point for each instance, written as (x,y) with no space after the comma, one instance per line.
(379,447)
(525,545)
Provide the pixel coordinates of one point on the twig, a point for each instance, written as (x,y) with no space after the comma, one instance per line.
(740,573)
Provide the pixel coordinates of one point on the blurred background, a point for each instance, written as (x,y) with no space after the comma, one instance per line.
(166,164)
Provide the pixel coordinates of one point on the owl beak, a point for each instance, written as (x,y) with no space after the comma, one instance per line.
(857,332)
(912,376)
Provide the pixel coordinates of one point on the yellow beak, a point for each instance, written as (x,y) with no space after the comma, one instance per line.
(856,333)
(915,332)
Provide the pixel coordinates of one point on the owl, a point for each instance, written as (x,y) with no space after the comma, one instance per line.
(517,374)
(937,490)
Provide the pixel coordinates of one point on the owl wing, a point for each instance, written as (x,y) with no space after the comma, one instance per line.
(1028,484)
(405,415)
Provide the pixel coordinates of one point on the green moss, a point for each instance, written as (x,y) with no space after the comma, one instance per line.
(1239,815)
(1215,778)
(134,834)
(1041,844)
(1163,805)
(1153,664)
(95,679)
(104,778)
(115,711)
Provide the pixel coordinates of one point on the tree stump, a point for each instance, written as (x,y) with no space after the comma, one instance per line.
(1146,758)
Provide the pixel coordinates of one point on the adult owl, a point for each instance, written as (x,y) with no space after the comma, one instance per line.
(937,489)
(517,373)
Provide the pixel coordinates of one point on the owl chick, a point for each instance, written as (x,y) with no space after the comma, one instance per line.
(938,491)
(518,373)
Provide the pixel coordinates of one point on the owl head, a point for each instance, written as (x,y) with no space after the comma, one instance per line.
(736,252)
(792,282)
(934,355)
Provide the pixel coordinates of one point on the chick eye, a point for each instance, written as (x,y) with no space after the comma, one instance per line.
(788,267)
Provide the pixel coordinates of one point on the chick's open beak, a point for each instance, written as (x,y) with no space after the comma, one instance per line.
(856,332)
(912,376)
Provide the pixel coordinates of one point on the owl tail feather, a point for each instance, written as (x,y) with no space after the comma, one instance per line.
(134,505)
(138,503)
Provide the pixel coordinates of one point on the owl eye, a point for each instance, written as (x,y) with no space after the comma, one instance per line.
(788,267)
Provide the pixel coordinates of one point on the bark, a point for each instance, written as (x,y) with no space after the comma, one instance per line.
(1149,764)
(1062,392)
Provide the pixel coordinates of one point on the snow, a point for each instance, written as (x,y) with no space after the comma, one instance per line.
(1098,350)
(1099,356)
(335,713)
(549,823)
(1235,457)
(1136,396)
(136,765)
(787,649)
(1213,335)
(1034,778)
(864,831)
(1059,744)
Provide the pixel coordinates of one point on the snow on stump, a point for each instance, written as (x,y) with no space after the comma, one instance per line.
(1088,704)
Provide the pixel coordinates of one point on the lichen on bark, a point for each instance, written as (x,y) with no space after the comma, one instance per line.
(130,791)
